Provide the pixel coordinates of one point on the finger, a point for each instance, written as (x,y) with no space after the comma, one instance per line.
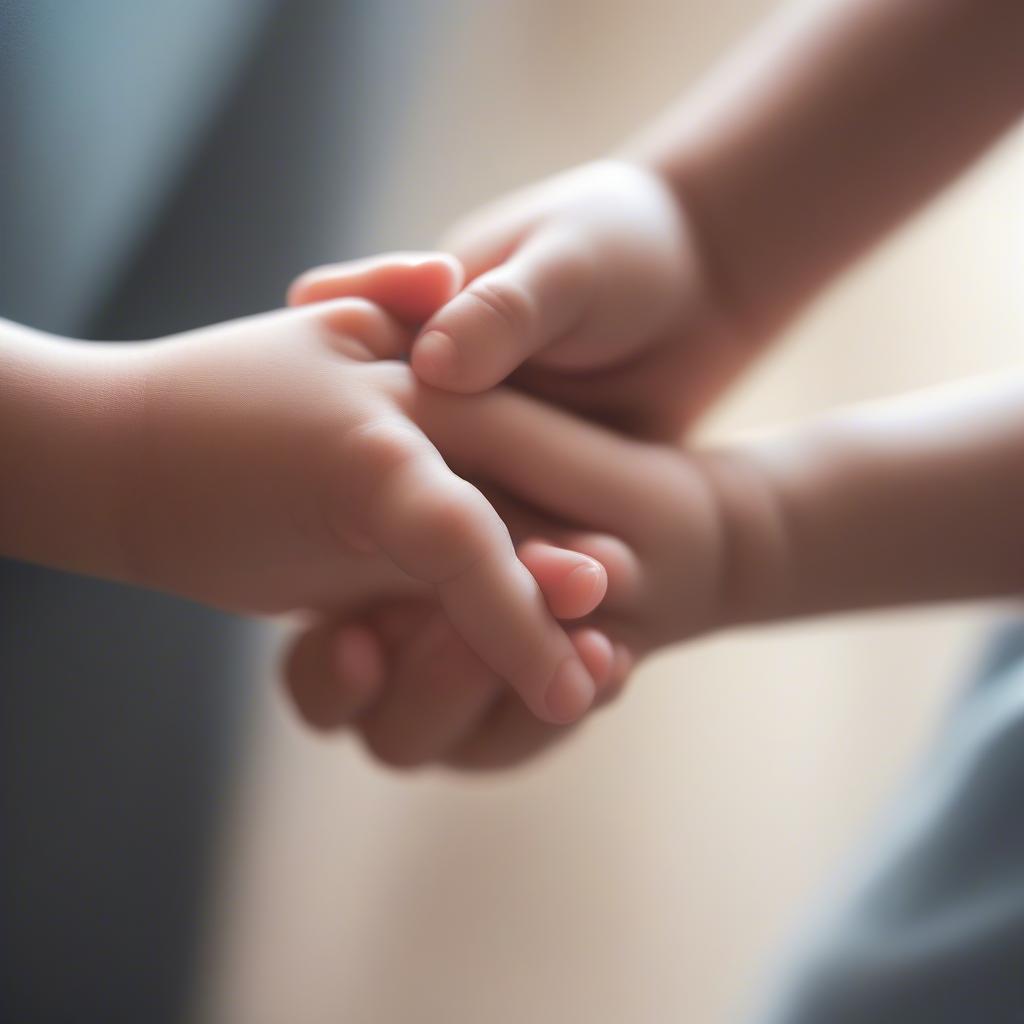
(617,590)
(620,562)
(541,292)
(545,457)
(335,670)
(572,583)
(353,326)
(597,652)
(482,243)
(506,736)
(411,285)
(657,397)
(441,692)
(396,621)
(437,693)
(439,529)
(362,330)
(333,673)
(623,663)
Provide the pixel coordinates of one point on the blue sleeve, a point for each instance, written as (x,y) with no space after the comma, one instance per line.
(931,929)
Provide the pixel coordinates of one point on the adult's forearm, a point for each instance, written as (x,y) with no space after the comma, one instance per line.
(824,131)
(915,500)
(66,419)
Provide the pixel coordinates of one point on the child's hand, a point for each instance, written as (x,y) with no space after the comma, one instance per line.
(277,459)
(854,510)
(401,675)
(647,513)
(634,291)
(592,279)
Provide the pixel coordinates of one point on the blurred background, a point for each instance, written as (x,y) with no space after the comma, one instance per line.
(173,163)
(652,868)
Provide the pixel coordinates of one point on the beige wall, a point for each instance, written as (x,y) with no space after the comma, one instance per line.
(646,871)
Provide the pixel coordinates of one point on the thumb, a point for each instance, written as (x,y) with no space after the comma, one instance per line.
(409,285)
(507,314)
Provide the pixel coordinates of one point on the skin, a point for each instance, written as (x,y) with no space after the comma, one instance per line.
(855,510)
(635,289)
(632,290)
(272,465)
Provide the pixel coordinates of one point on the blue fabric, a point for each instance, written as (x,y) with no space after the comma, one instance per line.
(101,105)
(932,930)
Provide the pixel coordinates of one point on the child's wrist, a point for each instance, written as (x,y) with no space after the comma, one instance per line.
(69,418)
(756,572)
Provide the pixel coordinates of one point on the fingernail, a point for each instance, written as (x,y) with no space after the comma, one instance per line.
(586,576)
(571,692)
(435,358)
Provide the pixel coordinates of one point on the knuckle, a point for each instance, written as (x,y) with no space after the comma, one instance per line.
(349,315)
(383,446)
(457,529)
(355,312)
(509,303)
(362,317)
(370,454)
(394,379)
(577,270)
(358,320)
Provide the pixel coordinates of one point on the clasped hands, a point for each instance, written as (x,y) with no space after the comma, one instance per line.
(473,521)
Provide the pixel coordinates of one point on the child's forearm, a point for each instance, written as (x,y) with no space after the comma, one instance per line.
(916,500)
(830,127)
(66,423)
